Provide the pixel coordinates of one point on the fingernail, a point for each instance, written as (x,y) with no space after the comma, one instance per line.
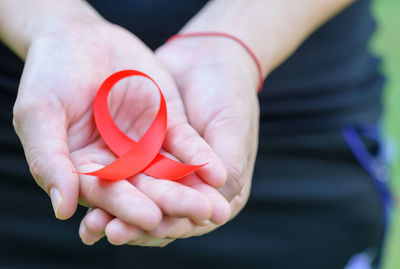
(56,199)
(206,222)
(83,234)
(82,230)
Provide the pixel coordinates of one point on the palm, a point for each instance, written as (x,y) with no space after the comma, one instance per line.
(73,77)
(221,104)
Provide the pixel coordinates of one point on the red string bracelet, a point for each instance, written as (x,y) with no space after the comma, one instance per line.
(240,42)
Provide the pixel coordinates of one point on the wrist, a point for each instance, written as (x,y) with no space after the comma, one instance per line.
(20,29)
(214,52)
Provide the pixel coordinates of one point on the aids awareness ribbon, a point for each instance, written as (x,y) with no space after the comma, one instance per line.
(135,157)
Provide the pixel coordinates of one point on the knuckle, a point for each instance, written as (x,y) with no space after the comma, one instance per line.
(166,203)
(39,164)
(236,176)
(200,154)
(37,170)
(171,201)
(152,221)
(15,123)
(89,192)
(19,113)
(117,197)
(23,108)
(182,135)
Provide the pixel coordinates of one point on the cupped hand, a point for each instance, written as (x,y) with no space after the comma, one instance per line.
(53,119)
(218,83)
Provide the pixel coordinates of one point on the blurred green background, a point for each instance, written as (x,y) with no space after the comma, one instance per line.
(386,44)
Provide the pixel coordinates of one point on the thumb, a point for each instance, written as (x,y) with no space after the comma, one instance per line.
(41,129)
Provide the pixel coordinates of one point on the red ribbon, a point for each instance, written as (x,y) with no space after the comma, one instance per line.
(135,157)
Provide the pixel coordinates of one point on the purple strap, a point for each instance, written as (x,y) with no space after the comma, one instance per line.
(375,166)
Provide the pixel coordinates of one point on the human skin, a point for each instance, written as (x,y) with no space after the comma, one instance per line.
(218,82)
(68,51)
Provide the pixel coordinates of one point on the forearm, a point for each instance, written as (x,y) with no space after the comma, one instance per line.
(23,20)
(273,29)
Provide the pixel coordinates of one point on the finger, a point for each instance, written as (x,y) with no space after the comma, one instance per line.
(41,128)
(221,207)
(96,220)
(171,227)
(88,237)
(175,199)
(119,198)
(119,232)
(183,142)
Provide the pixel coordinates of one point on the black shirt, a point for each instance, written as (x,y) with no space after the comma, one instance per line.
(329,82)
